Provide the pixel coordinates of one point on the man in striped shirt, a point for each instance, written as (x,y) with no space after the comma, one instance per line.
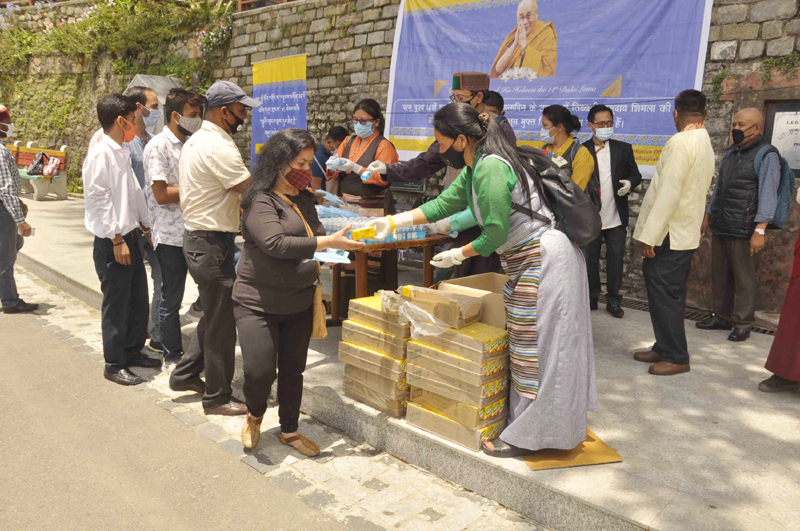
(12,221)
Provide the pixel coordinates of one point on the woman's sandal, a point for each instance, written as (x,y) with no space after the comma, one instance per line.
(307,448)
(251,431)
(503,449)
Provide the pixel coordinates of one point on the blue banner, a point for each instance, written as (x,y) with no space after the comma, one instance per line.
(280,86)
(632,55)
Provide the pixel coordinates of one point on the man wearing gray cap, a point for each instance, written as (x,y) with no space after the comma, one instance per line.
(212,178)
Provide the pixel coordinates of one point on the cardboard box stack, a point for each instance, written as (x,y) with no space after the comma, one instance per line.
(374,350)
(459,379)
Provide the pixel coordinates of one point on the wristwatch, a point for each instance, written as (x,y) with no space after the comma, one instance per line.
(761,232)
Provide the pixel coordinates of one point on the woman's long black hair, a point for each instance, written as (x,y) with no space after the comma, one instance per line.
(560,115)
(462,119)
(373,108)
(283,147)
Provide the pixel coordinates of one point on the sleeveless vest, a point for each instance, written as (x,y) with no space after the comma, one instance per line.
(351,182)
(733,214)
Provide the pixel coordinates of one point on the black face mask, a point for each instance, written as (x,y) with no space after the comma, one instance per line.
(453,158)
(738,134)
(237,123)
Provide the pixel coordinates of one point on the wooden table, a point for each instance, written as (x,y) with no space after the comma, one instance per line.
(362,289)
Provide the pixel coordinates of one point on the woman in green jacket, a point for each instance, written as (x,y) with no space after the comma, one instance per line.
(547,297)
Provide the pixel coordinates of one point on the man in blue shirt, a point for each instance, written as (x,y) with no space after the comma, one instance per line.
(147,117)
(336,136)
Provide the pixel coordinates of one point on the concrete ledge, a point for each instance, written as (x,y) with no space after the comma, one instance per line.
(474,471)
(90,296)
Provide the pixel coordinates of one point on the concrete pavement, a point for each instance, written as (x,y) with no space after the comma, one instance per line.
(79,453)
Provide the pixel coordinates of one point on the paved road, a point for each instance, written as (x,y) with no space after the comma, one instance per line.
(79,453)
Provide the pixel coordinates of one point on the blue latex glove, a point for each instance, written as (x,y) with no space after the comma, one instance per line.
(463,220)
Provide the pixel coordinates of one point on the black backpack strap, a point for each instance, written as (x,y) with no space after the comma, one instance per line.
(527,211)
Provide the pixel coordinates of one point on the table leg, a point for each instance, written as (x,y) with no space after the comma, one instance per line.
(427,268)
(336,272)
(362,274)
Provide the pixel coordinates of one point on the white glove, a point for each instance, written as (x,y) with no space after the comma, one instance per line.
(345,165)
(626,187)
(447,259)
(377,167)
(442,226)
(383,227)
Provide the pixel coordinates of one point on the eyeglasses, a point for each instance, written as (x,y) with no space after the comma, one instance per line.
(529,17)
(461,98)
(363,122)
(603,124)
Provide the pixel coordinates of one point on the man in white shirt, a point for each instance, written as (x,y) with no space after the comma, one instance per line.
(616,169)
(116,212)
(669,229)
(161,157)
(212,178)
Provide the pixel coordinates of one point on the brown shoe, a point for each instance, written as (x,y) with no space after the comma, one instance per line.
(648,356)
(251,431)
(665,368)
(231,409)
(776,384)
(306,447)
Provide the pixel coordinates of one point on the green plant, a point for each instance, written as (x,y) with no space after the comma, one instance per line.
(785,65)
(717,80)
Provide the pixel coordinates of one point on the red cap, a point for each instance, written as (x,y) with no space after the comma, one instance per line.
(4,114)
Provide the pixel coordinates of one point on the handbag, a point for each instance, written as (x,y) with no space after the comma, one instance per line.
(319,329)
(51,169)
(574,212)
(37,166)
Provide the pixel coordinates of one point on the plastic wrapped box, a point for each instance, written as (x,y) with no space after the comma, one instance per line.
(465,414)
(394,389)
(476,342)
(451,430)
(373,361)
(369,337)
(474,395)
(395,407)
(453,366)
(451,309)
(368,311)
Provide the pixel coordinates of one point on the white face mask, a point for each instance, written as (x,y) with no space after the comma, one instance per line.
(151,120)
(544,136)
(604,133)
(190,124)
(8,129)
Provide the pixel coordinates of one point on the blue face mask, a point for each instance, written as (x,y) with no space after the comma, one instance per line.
(364,131)
(603,134)
(151,120)
(544,136)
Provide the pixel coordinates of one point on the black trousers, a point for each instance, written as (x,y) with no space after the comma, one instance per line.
(125,309)
(665,278)
(209,257)
(173,284)
(615,255)
(734,280)
(270,343)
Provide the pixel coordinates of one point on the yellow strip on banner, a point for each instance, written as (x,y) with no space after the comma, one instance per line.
(284,69)
(414,5)
(259,147)
(645,155)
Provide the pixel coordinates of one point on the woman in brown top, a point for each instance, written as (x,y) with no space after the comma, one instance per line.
(274,290)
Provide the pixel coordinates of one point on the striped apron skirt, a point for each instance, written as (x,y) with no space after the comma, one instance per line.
(551,348)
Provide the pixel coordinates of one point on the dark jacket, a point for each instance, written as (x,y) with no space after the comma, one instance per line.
(733,213)
(426,164)
(623,168)
(277,272)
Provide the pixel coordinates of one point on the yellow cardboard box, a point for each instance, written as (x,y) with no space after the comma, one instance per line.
(454,310)
(372,361)
(473,395)
(367,336)
(451,430)
(477,342)
(358,391)
(368,311)
(454,366)
(469,416)
(385,386)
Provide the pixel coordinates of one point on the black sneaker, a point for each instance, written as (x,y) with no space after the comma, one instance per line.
(144,361)
(21,307)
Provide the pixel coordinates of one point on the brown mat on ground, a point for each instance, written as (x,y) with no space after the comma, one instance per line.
(592,451)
